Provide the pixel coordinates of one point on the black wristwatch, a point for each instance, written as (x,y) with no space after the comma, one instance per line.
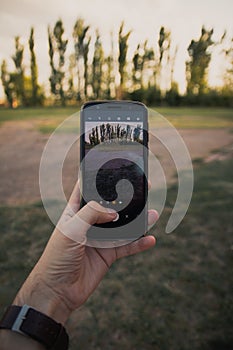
(34,324)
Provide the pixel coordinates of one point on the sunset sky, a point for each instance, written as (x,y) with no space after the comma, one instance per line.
(184,18)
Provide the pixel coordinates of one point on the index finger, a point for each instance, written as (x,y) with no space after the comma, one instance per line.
(74,201)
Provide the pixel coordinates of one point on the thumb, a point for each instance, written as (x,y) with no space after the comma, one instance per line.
(92,213)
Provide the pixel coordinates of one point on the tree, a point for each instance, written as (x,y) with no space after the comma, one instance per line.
(18,77)
(143,63)
(53,76)
(109,85)
(148,77)
(228,77)
(81,47)
(137,68)
(97,67)
(34,70)
(19,88)
(72,65)
(172,59)
(7,84)
(85,59)
(197,66)
(164,44)
(172,96)
(57,47)
(123,49)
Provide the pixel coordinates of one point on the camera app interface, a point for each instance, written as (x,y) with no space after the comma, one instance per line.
(114,164)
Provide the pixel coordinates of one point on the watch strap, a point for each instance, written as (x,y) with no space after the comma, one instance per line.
(30,322)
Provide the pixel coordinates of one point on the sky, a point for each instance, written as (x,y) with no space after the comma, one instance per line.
(144,17)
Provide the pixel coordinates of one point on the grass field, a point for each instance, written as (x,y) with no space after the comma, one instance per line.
(47,119)
(200,118)
(177,296)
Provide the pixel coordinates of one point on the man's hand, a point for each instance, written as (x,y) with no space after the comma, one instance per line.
(68,272)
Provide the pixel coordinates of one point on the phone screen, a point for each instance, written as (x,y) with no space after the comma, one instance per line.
(114,165)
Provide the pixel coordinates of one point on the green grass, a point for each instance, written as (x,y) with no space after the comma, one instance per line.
(40,113)
(24,232)
(194,118)
(47,119)
(176,296)
(193,111)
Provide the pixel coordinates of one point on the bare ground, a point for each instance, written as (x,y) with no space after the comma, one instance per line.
(21,147)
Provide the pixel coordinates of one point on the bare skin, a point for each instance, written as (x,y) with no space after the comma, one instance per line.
(68,272)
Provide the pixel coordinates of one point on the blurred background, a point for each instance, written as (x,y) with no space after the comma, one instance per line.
(177,58)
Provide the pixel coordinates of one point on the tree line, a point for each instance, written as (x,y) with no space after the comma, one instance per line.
(92,74)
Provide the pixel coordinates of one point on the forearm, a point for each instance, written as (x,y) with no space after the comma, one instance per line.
(14,341)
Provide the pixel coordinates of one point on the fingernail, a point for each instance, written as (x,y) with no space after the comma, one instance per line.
(116,218)
(114,214)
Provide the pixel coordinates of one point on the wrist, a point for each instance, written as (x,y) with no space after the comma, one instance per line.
(42,298)
(15,341)
(35,325)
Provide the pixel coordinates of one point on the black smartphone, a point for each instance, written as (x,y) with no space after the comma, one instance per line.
(114,165)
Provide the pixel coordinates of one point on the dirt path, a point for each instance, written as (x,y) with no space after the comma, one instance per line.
(21,147)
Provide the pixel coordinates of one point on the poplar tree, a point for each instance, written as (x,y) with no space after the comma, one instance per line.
(143,63)
(85,59)
(57,49)
(110,71)
(97,67)
(34,69)
(7,83)
(72,66)
(123,49)
(197,66)
(164,44)
(228,76)
(81,47)
(137,68)
(18,77)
